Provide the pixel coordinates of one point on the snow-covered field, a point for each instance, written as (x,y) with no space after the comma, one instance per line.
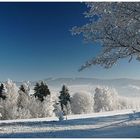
(114,124)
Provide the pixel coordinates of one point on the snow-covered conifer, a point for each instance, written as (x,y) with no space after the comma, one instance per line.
(41,90)
(2,92)
(64,100)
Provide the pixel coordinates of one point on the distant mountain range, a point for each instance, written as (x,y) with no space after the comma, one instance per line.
(124,86)
(94,81)
(75,81)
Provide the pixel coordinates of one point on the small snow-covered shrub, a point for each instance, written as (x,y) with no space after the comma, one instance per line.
(58,111)
(123,103)
(82,103)
(105,99)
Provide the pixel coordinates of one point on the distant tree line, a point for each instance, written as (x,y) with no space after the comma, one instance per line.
(19,103)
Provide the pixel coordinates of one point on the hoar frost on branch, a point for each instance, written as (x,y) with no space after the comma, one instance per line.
(116,25)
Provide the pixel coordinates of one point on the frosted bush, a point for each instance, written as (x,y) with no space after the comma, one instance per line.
(58,112)
(129,103)
(105,99)
(81,103)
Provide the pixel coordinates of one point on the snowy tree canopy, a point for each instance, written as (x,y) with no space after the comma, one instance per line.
(9,110)
(116,25)
(105,99)
(82,103)
(41,90)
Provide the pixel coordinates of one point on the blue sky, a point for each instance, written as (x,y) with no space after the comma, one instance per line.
(35,43)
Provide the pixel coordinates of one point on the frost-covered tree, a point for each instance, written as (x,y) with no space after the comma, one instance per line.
(105,99)
(15,106)
(116,26)
(41,90)
(40,109)
(82,103)
(23,101)
(9,110)
(23,97)
(64,100)
(35,107)
(47,107)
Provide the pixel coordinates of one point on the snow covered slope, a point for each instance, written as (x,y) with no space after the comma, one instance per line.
(100,125)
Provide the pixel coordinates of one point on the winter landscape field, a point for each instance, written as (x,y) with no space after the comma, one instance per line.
(65,69)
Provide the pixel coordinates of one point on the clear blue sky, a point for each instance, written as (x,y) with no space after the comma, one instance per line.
(35,43)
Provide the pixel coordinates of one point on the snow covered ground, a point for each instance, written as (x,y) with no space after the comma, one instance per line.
(114,124)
